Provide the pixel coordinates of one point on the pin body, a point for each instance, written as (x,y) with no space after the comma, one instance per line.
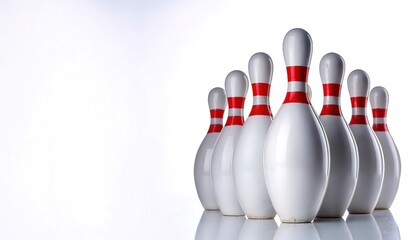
(344,156)
(236,86)
(296,157)
(379,101)
(248,169)
(203,159)
(371,162)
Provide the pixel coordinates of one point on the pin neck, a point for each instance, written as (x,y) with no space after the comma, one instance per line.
(331,104)
(261,104)
(216,120)
(297,77)
(359,110)
(379,119)
(236,106)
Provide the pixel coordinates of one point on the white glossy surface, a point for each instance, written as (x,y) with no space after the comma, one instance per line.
(236,84)
(387,225)
(300,231)
(379,97)
(371,170)
(203,159)
(297,47)
(258,229)
(344,167)
(208,225)
(296,163)
(363,227)
(332,229)
(358,83)
(344,159)
(230,227)
(248,169)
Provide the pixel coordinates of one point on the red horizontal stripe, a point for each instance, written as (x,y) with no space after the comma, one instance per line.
(215,128)
(235,120)
(216,113)
(358,119)
(379,112)
(261,89)
(296,97)
(380,127)
(332,89)
(297,73)
(331,110)
(358,102)
(263,110)
(236,102)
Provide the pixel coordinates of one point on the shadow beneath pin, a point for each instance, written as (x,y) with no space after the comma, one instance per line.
(258,229)
(298,231)
(387,225)
(363,227)
(332,228)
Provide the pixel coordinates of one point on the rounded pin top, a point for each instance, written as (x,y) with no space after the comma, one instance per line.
(358,83)
(297,48)
(236,84)
(260,68)
(331,68)
(217,98)
(379,97)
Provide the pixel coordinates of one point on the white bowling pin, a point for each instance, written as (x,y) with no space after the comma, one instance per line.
(371,162)
(236,86)
(208,225)
(344,155)
(379,102)
(258,229)
(202,165)
(332,229)
(248,169)
(296,156)
(363,227)
(387,225)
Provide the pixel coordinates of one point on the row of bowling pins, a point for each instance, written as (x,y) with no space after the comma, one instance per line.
(297,165)
(376,226)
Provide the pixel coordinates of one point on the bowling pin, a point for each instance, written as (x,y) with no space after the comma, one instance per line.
(296,156)
(236,86)
(379,103)
(371,162)
(309,92)
(343,150)
(202,166)
(248,169)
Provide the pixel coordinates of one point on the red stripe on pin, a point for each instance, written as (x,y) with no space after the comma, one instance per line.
(379,112)
(380,127)
(358,119)
(235,120)
(296,97)
(297,73)
(215,128)
(236,102)
(332,89)
(216,113)
(358,102)
(263,110)
(261,89)
(331,110)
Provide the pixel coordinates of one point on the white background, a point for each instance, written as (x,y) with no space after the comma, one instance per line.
(103,104)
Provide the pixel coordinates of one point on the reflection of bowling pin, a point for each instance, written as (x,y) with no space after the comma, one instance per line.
(363,227)
(236,86)
(300,231)
(379,102)
(332,229)
(296,157)
(230,227)
(248,169)
(202,166)
(387,225)
(258,229)
(207,227)
(344,156)
(371,167)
